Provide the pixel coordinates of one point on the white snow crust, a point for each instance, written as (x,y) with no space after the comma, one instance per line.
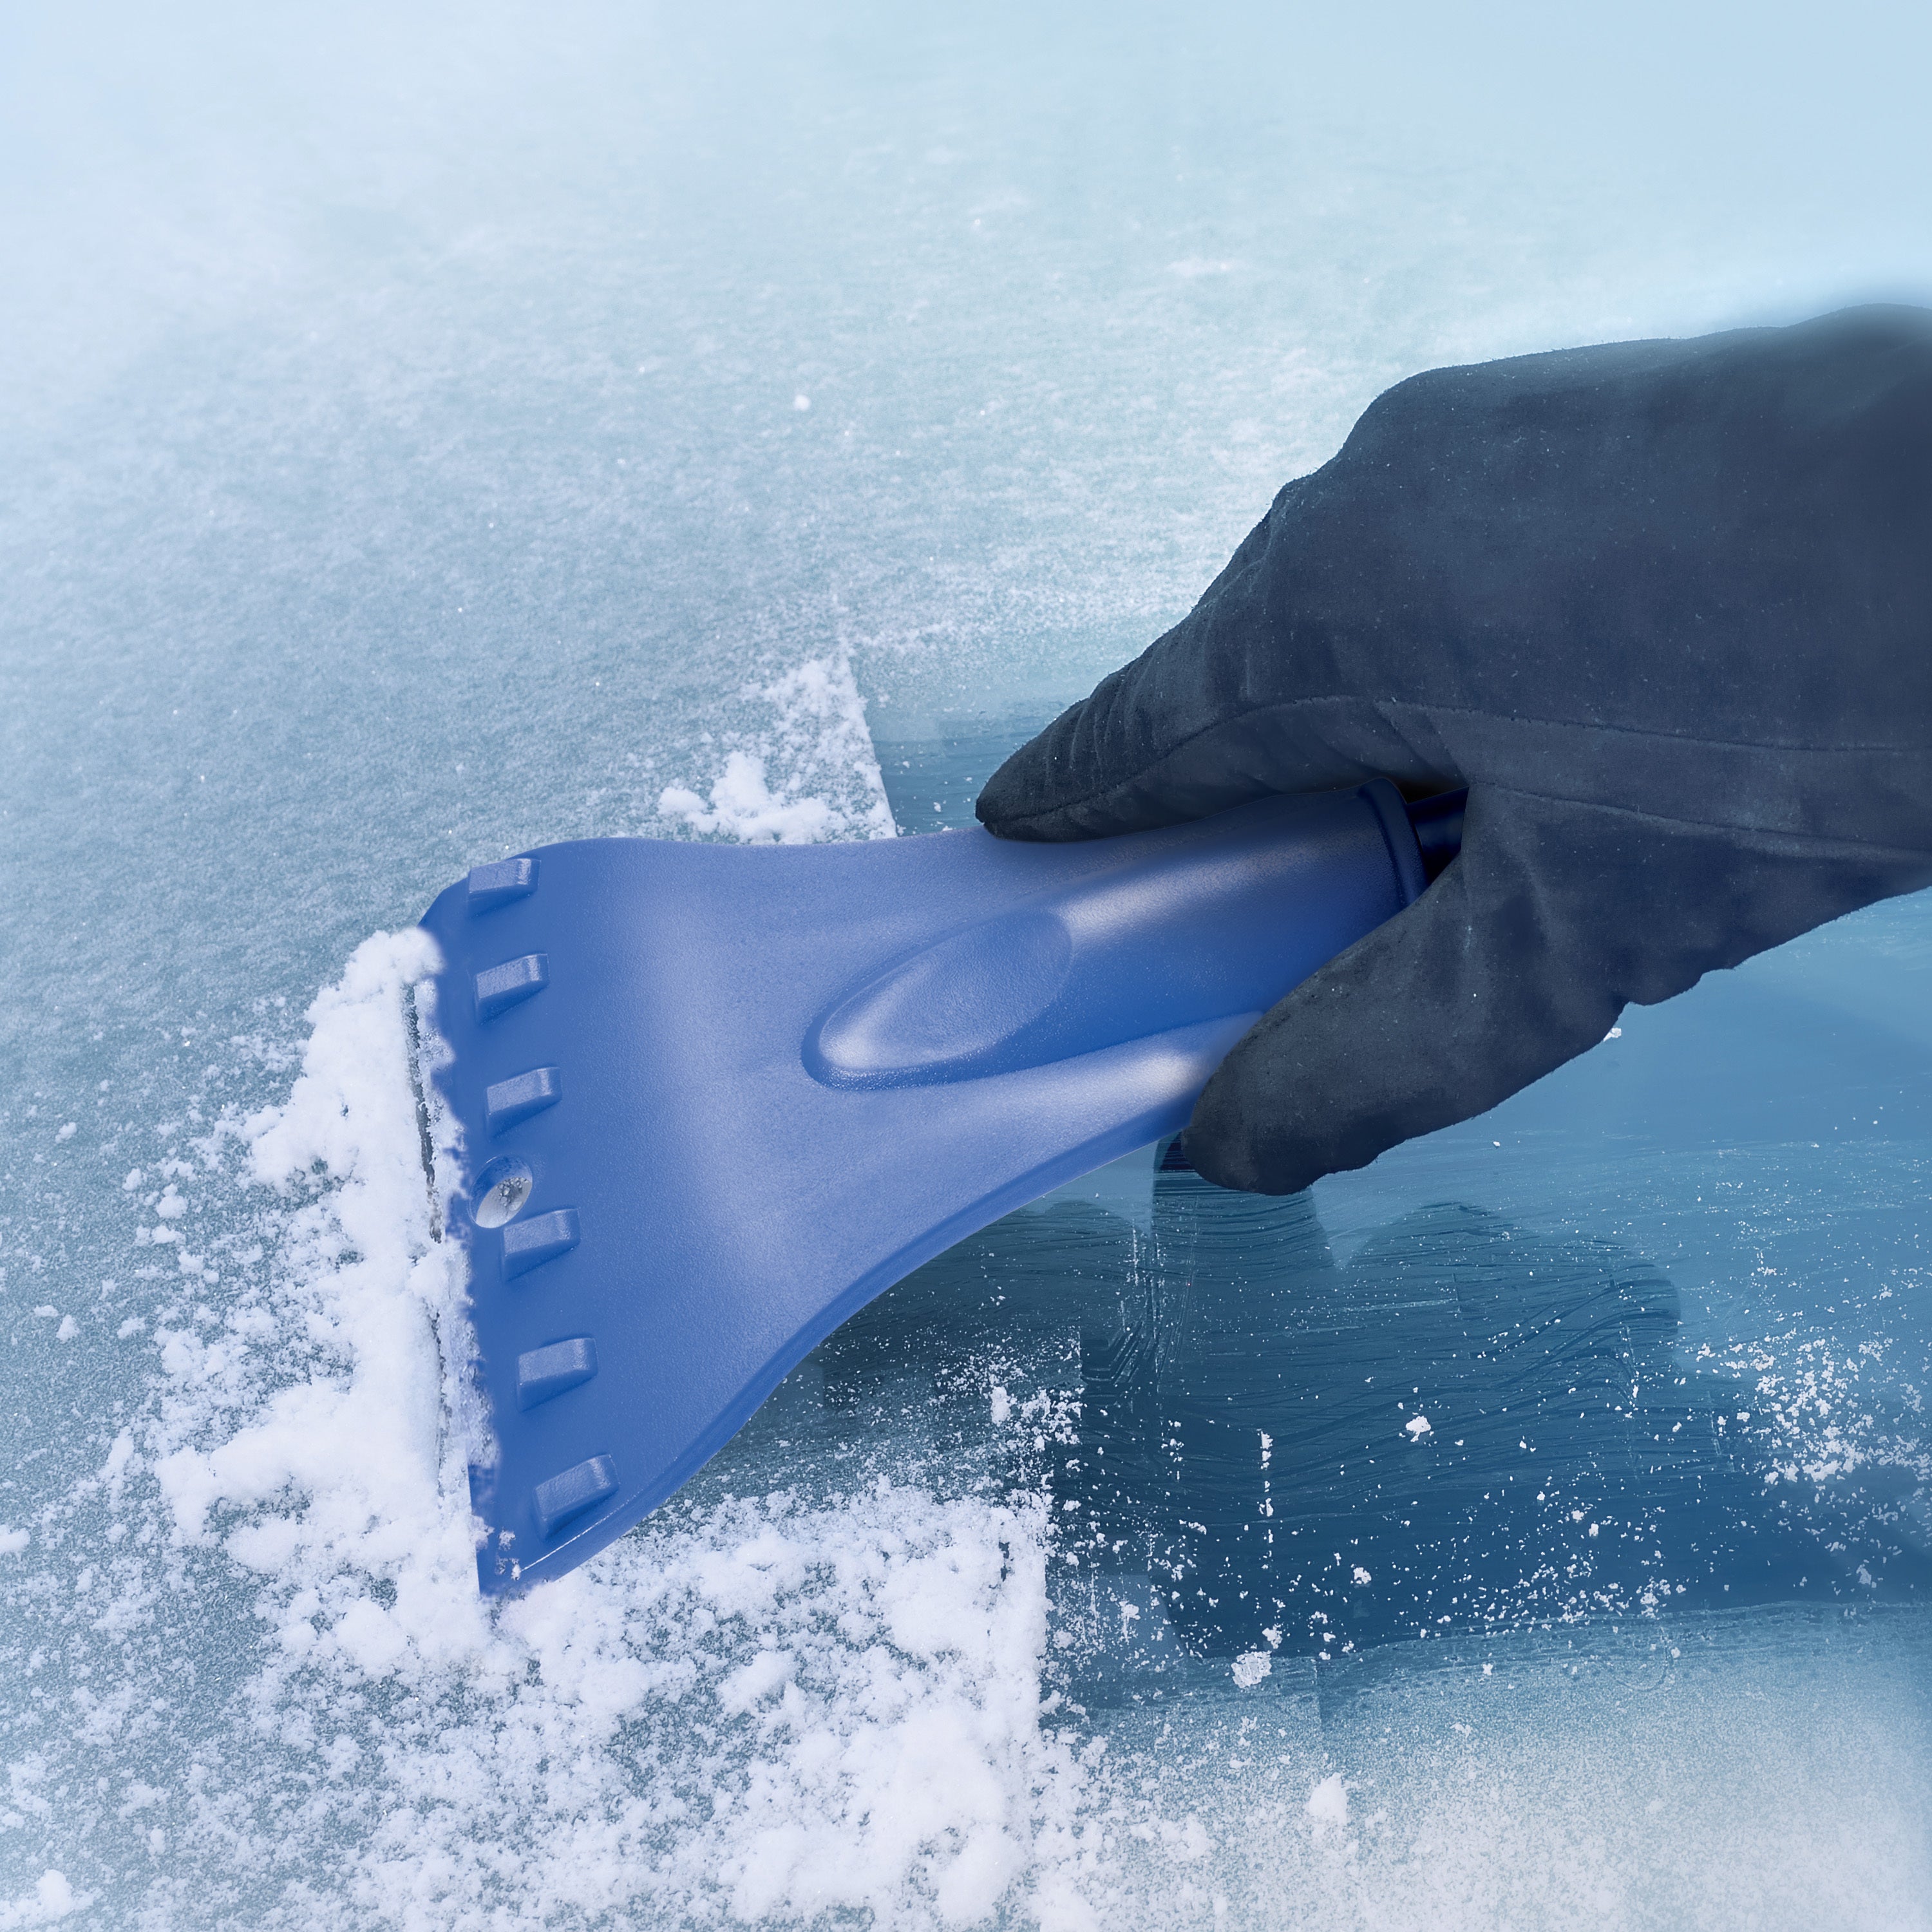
(818,755)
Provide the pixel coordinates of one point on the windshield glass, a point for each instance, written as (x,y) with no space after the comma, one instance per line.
(433,433)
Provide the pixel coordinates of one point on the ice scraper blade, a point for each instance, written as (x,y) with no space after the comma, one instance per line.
(713,1099)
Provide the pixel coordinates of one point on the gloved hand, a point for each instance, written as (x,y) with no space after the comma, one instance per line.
(1664,607)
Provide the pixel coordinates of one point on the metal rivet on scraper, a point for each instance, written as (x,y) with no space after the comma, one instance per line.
(544,1372)
(575,1491)
(507,1101)
(500,987)
(529,1244)
(501,1189)
(494,885)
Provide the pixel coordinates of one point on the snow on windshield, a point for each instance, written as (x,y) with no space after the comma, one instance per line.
(434,432)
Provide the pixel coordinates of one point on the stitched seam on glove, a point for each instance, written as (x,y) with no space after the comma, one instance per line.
(1690,740)
(1287,706)
(1813,841)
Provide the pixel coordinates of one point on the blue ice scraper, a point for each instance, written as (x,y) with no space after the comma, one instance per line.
(713,1099)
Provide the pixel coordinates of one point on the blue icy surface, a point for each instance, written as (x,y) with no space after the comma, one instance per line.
(432,431)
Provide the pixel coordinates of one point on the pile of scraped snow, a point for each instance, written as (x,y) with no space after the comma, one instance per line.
(311,1438)
(812,774)
(773,1706)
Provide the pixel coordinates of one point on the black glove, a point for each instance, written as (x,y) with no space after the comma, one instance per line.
(1664,607)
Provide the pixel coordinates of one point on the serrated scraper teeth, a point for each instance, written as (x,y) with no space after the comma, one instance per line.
(508,1103)
(589,1482)
(551,1371)
(498,884)
(500,987)
(529,1244)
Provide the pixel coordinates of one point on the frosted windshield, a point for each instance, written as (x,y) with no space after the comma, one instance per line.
(429,434)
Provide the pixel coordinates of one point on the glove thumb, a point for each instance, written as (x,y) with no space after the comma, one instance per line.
(1488,981)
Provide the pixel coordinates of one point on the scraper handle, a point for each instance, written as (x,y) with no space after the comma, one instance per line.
(712,1099)
(1122,939)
